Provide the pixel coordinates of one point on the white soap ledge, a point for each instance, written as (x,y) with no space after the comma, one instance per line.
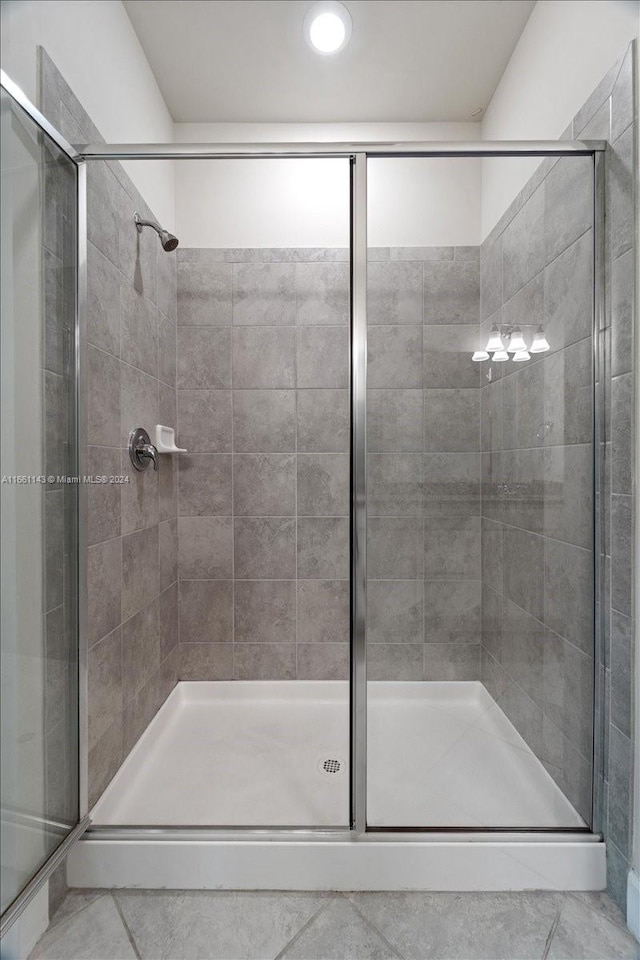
(166,440)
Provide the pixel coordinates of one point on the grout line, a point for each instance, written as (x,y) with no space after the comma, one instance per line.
(126,927)
(304,928)
(54,924)
(372,926)
(551,935)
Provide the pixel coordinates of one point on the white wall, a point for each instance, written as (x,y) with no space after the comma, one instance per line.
(564,51)
(95,47)
(305,203)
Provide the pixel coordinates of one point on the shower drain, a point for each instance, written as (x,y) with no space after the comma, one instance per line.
(330,766)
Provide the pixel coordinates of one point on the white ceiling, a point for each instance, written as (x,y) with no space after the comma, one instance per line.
(407,60)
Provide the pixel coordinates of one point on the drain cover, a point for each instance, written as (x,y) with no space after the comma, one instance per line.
(330,766)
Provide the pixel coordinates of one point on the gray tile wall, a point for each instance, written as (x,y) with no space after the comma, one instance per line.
(537,549)
(537,474)
(263,492)
(611,114)
(129,351)
(263,408)
(423,483)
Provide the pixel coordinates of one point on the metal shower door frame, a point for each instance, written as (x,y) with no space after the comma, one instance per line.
(24,898)
(358,155)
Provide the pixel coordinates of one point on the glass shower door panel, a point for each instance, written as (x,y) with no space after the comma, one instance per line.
(479,499)
(38,510)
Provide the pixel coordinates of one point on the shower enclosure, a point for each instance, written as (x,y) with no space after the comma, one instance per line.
(385,529)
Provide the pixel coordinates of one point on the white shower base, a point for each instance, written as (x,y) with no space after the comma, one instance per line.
(252,753)
(440,755)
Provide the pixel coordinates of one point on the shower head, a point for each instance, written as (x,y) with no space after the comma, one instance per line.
(168,241)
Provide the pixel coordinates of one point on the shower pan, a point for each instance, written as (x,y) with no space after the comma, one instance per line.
(453,741)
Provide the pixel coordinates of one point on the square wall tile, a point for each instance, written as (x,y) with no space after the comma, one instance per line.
(265,661)
(140,570)
(204,358)
(323,548)
(394,485)
(204,293)
(264,548)
(104,587)
(206,611)
(323,611)
(395,548)
(264,294)
(323,357)
(323,485)
(452,292)
(452,661)
(205,421)
(140,650)
(451,421)
(265,611)
(323,419)
(103,404)
(323,661)
(264,420)
(206,661)
(447,351)
(204,485)
(452,548)
(395,611)
(394,356)
(394,293)
(322,293)
(264,357)
(395,421)
(394,661)
(452,611)
(205,548)
(264,485)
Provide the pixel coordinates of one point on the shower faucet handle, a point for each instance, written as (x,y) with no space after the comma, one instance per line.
(141,450)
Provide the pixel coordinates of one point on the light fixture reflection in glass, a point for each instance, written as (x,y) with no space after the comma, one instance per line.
(327,27)
(516,341)
(495,341)
(500,356)
(521,355)
(539,344)
(479,356)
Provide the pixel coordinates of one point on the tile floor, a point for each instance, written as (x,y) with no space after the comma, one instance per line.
(195,925)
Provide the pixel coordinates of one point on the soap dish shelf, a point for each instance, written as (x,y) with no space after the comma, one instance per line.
(166,440)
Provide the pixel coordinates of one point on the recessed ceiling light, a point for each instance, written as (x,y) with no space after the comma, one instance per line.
(327,27)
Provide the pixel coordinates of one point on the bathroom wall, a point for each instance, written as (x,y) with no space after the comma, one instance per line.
(304,203)
(563,52)
(263,493)
(263,409)
(423,468)
(536,266)
(95,47)
(129,359)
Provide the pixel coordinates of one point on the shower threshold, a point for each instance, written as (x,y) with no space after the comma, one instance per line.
(274,754)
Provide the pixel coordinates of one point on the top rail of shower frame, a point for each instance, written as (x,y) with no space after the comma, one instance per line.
(229,151)
(264,151)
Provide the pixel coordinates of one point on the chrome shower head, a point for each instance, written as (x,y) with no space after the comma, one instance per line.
(168,241)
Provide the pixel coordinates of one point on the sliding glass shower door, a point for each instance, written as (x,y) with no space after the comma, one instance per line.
(39,651)
(480,506)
